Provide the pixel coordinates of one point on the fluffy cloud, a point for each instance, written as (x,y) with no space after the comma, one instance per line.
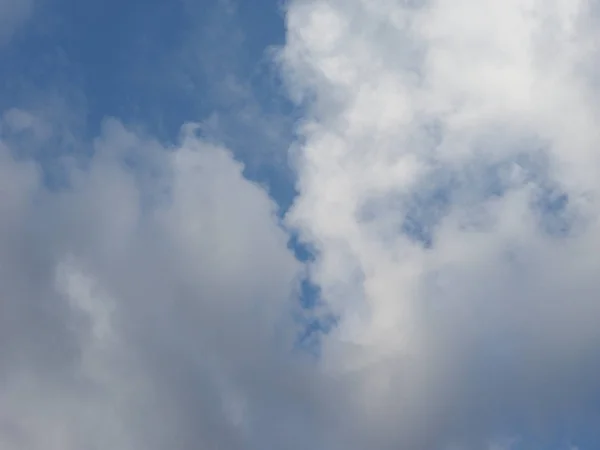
(448,177)
(448,183)
(145,300)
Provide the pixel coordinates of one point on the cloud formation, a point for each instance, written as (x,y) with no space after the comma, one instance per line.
(143,303)
(447,175)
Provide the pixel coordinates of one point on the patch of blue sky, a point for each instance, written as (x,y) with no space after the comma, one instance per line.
(434,198)
(157,65)
(314,317)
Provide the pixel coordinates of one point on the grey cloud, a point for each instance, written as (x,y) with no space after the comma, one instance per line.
(147,304)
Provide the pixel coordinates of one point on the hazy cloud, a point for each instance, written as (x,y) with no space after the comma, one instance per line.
(12,14)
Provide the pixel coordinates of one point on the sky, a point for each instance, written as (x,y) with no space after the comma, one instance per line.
(300,224)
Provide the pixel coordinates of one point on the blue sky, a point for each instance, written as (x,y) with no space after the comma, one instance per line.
(157,65)
(316,224)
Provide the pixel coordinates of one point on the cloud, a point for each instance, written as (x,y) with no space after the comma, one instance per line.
(448,177)
(447,184)
(13,13)
(224,49)
(146,301)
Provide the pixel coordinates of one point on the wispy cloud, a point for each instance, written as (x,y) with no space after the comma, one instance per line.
(13,13)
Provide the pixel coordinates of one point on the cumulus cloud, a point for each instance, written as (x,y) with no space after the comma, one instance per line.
(146,301)
(448,186)
(448,176)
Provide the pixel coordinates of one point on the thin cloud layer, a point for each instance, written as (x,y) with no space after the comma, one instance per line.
(13,13)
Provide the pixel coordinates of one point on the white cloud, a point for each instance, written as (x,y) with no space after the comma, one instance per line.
(143,305)
(448,179)
(439,139)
